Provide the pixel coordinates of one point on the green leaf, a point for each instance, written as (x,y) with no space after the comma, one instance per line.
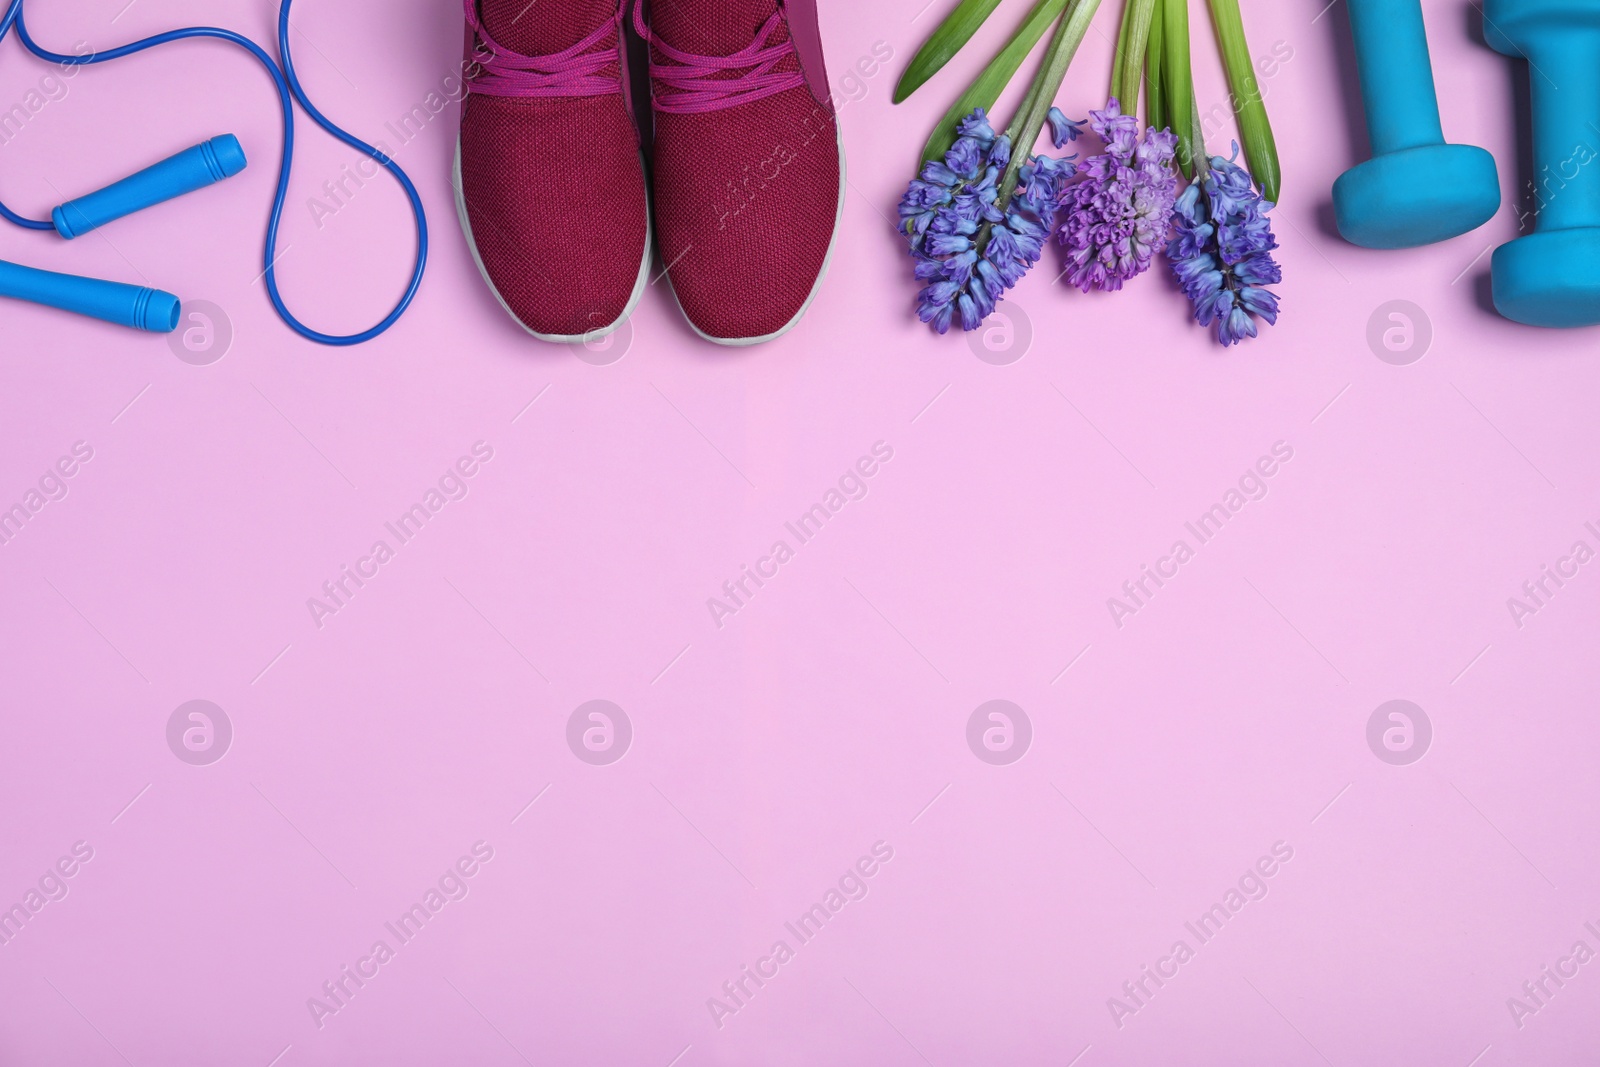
(988,86)
(1129,63)
(1025,127)
(1260,150)
(1155,96)
(1178,79)
(945,41)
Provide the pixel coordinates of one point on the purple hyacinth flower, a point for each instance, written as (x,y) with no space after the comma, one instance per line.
(968,249)
(1222,252)
(1118,216)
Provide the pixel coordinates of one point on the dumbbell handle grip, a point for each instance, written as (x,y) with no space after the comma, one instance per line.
(1395,73)
(193,168)
(1565,188)
(125,305)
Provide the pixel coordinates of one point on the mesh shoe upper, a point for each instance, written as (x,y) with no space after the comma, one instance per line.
(553,187)
(747,190)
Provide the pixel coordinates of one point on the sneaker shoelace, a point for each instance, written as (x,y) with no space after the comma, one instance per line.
(576,71)
(697,84)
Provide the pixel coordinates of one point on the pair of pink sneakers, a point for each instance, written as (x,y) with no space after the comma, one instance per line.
(747,174)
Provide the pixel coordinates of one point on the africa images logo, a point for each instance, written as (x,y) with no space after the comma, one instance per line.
(599,732)
(199,733)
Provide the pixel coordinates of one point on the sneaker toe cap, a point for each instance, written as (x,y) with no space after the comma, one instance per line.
(746,216)
(553,196)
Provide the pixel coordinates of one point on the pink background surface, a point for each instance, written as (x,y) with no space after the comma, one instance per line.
(828,714)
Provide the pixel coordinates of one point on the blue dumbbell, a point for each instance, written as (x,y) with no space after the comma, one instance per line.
(1416,189)
(1551,277)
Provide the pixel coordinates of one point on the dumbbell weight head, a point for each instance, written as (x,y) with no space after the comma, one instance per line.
(1509,26)
(1416,196)
(1551,277)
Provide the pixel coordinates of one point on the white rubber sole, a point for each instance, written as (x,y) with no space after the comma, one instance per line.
(827,261)
(578,338)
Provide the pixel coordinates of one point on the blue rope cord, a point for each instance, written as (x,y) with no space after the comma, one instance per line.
(290,92)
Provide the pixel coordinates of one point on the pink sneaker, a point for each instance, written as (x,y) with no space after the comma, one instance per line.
(549,180)
(749,172)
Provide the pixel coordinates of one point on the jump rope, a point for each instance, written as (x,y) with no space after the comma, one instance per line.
(212,161)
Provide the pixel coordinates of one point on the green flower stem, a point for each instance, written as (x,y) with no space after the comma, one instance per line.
(1155,96)
(1178,80)
(1136,18)
(1026,107)
(1025,127)
(1260,150)
(1035,87)
(1124,29)
(986,89)
(942,44)
(1199,160)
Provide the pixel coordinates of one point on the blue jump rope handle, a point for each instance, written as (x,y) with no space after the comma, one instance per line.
(193,168)
(125,305)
